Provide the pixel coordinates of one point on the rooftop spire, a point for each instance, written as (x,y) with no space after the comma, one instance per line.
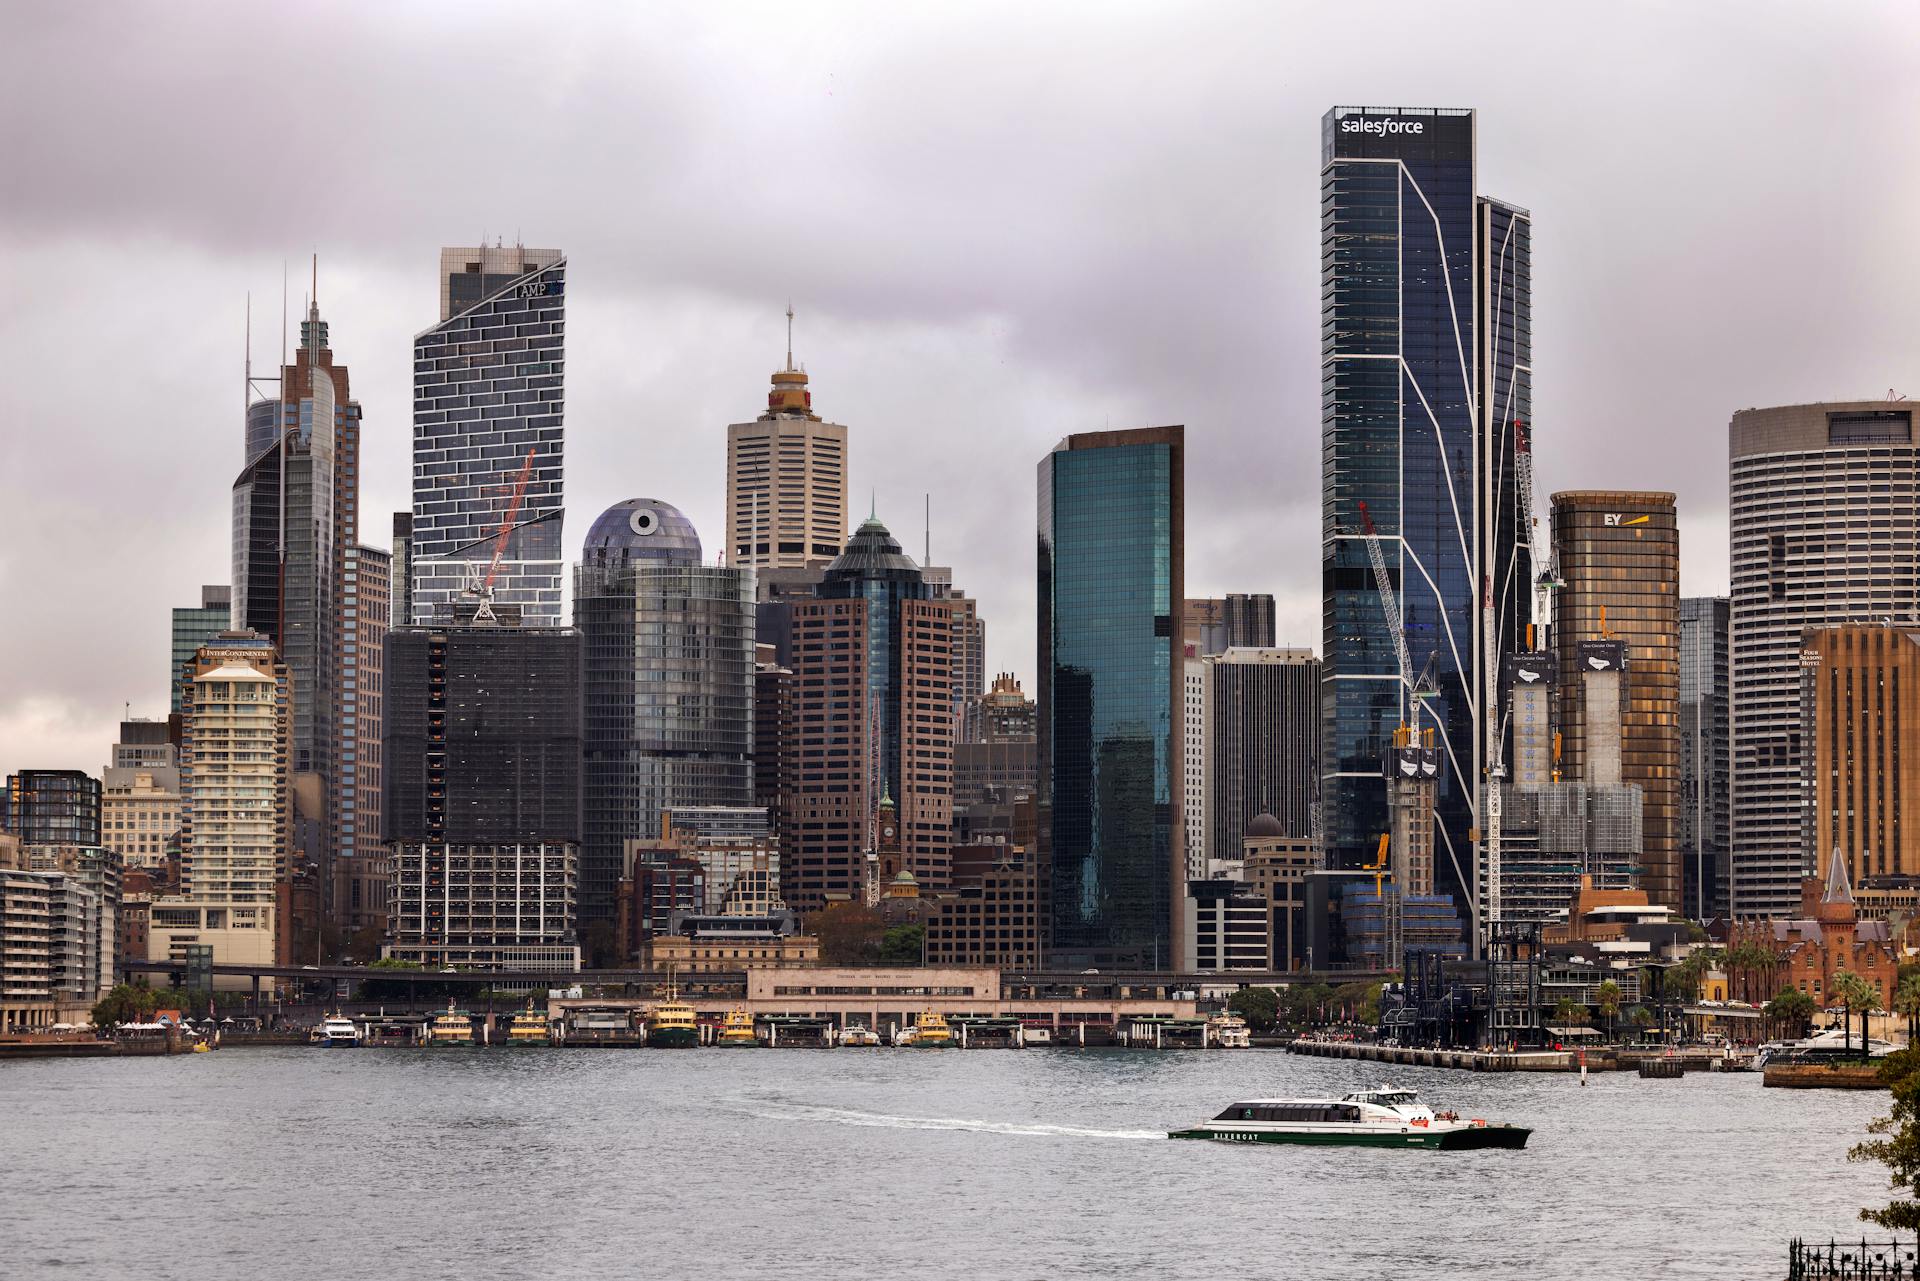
(790,335)
(790,397)
(1839,888)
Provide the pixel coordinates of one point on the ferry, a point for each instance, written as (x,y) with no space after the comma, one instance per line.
(336,1032)
(736,1029)
(528,1027)
(1036,1036)
(454,1027)
(673,1025)
(1386,1118)
(929,1029)
(1229,1032)
(859,1035)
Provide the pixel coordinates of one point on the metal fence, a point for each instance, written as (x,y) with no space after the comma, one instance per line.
(1855,1261)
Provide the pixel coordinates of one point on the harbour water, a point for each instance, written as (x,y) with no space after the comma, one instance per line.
(298,1162)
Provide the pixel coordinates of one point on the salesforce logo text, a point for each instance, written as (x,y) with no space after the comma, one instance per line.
(1382,127)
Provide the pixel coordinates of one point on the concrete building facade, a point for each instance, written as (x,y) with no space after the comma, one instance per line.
(786,481)
(1825,524)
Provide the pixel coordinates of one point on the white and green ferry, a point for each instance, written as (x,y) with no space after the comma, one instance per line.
(1382,1118)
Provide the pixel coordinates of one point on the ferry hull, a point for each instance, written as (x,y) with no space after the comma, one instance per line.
(673,1038)
(1463,1139)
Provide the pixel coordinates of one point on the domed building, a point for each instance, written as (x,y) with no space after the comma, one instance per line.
(668,683)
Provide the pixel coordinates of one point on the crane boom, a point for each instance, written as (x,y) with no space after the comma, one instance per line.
(1389,603)
(506,525)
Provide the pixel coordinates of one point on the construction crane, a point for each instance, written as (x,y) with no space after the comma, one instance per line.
(1545,566)
(484,589)
(1389,604)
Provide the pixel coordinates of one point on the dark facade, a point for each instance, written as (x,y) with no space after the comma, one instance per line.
(1426,392)
(1111,587)
(669,684)
(1238,620)
(998,763)
(194,626)
(1704,821)
(483,735)
(1619,558)
(1262,731)
(53,807)
(488,438)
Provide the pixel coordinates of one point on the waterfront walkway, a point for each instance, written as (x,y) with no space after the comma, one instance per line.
(1466,1060)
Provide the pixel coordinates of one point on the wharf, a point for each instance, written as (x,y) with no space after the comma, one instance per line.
(55,1047)
(1822,1076)
(1465,1060)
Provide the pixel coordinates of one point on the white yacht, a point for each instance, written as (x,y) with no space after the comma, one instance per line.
(1386,1117)
(1831,1044)
(337,1031)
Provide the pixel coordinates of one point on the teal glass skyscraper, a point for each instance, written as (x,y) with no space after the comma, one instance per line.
(1426,393)
(1111,585)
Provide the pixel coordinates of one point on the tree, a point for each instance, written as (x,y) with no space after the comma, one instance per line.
(1900,1150)
(1906,1000)
(1607,999)
(1568,1012)
(135,1003)
(1259,1006)
(1855,993)
(364,947)
(849,933)
(1315,998)
(904,945)
(1792,1007)
(394,989)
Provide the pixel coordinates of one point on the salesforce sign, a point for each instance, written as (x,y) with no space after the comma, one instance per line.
(1383,127)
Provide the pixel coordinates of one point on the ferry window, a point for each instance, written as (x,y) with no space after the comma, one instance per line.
(1236,1113)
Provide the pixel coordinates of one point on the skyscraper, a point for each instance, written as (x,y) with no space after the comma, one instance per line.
(871,720)
(194,626)
(488,437)
(1426,383)
(1863,773)
(236,805)
(1703,830)
(1111,570)
(1619,559)
(483,794)
(368,607)
(786,480)
(1825,532)
(669,684)
(1262,732)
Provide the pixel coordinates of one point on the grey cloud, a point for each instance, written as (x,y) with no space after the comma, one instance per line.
(999,224)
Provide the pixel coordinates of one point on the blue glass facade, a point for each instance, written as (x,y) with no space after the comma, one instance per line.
(1111,585)
(1425,371)
(873,568)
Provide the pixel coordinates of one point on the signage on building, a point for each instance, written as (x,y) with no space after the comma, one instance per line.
(1601,656)
(1531,670)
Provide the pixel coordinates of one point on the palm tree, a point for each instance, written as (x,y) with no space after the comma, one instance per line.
(1792,1006)
(1607,998)
(1906,1000)
(1855,993)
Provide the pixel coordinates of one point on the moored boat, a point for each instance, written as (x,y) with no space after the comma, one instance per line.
(736,1028)
(930,1031)
(1385,1117)
(857,1034)
(337,1032)
(455,1027)
(1229,1032)
(529,1027)
(673,1024)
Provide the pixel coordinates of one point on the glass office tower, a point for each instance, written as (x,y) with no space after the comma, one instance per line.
(1426,390)
(875,569)
(193,627)
(488,403)
(1111,587)
(669,670)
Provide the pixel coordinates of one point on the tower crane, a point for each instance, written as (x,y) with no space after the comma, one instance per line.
(484,589)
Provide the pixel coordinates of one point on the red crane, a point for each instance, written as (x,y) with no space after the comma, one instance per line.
(506,525)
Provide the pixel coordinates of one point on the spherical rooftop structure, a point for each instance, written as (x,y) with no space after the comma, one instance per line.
(1264,825)
(642,529)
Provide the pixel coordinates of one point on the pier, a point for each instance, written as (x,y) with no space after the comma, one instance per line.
(1465,1060)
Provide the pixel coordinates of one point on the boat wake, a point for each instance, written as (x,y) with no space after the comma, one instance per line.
(881,1120)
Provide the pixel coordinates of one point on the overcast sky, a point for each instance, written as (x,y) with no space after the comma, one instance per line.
(997,224)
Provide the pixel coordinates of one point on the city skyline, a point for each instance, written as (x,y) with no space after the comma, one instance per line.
(1191,301)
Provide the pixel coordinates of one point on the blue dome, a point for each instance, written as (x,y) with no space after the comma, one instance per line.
(642,529)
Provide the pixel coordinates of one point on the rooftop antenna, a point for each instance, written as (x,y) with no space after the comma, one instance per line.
(789,334)
(873,503)
(246,394)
